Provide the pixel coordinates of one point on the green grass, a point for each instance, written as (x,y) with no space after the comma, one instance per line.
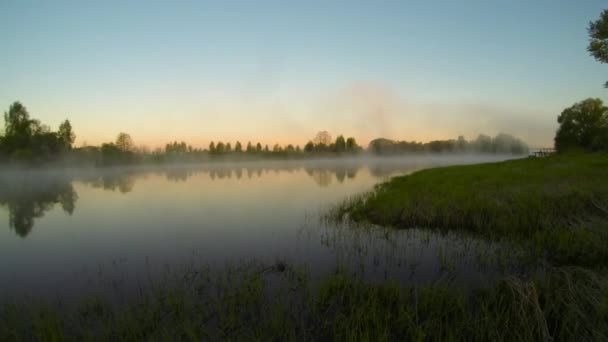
(558,205)
(246,304)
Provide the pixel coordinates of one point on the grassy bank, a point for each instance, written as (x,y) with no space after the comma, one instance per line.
(557,205)
(281,304)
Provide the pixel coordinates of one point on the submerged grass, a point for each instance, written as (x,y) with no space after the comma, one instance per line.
(558,203)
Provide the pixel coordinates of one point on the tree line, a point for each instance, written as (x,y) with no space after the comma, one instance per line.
(500,144)
(27,140)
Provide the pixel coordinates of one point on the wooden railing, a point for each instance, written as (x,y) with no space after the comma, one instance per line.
(542,152)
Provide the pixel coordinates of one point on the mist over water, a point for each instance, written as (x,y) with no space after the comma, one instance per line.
(62,230)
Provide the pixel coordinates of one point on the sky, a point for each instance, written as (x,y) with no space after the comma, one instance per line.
(279,71)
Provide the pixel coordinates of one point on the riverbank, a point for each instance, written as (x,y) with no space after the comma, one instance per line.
(556,205)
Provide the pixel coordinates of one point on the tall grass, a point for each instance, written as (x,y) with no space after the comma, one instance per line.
(282,304)
(558,203)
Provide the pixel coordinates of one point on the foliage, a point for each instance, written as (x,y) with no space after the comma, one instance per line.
(120,152)
(66,134)
(176,148)
(340,144)
(584,125)
(322,144)
(124,143)
(26,139)
(501,143)
(598,39)
(322,138)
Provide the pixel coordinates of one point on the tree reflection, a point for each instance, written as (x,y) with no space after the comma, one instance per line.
(121,181)
(28,200)
(322,177)
(177,175)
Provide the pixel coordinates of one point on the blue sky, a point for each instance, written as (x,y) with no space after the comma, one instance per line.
(280,71)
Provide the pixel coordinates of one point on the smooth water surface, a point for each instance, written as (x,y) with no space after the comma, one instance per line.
(63,230)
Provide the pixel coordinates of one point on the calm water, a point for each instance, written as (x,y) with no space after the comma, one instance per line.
(65,231)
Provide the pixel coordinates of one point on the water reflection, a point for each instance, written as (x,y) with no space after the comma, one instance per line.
(322,175)
(28,195)
(121,181)
(27,200)
(160,215)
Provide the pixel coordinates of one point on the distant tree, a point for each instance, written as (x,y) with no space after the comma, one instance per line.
(66,134)
(506,143)
(340,144)
(583,125)
(124,142)
(258,147)
(212,147)
(322,138)
(461,143)
(383,146)
(45,144)
(177,148)
(228,148)
(351,145)
(298,149)
(110,153)
(290,148)
(483,143)
(249,147)
(309,147)
(237,147)
(276,148)
(266,148)
(220,147)
(598,39)
(17,127)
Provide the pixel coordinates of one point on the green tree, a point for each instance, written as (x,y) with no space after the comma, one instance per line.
(309,147)
(598,39)
(340,144)
(258,147)
(249,147)
(351,145)
(583,125)
(220,147)
(322,138)
(124,142)
(237,147)
(228,148)
(66,134)
(17,127)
